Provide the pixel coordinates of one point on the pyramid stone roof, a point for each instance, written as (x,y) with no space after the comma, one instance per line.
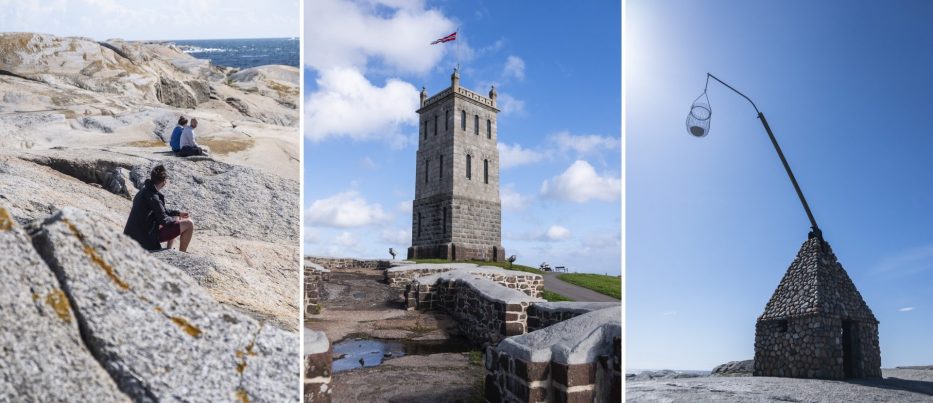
(816,284)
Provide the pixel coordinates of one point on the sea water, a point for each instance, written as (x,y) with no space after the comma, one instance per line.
(244,53)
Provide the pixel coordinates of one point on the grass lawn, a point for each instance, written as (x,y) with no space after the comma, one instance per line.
(504,265)
(609,285)
(552,296)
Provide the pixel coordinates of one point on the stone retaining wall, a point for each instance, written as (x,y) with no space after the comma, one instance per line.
(485,311)
(338,263)
(317,366)
(315,276)
(530,284)
(544,314)
(578,360)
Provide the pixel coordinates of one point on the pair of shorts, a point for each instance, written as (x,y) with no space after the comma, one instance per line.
(169,232)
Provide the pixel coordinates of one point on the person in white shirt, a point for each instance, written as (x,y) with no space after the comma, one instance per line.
(190,147)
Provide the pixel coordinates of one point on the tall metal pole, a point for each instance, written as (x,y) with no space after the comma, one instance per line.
(790,174)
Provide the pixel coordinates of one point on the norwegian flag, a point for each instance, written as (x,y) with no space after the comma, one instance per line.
(448,38)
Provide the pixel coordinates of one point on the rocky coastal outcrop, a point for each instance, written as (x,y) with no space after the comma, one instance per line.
(735,368)
(86,314)
(39,332)
(77,93)
(127,325)
(245,250)
(140,72)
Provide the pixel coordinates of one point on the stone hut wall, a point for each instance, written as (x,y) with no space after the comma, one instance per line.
(576,361)
(528,283)
(317,367)
(315,276)
(485,311)
(544,314)
(812,347)
(338,263)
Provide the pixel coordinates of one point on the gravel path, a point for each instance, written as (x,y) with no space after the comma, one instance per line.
(576,293)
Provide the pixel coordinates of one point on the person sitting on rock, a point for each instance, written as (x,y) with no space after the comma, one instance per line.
(150,223)
(175,141)
(190,147)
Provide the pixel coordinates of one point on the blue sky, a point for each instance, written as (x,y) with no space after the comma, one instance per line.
(556,67)
(153,20)
(713,223)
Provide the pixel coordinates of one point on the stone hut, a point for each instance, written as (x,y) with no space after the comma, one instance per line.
(816,324)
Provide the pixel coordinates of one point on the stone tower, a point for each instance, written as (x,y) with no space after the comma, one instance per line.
(816,324)
(456,214)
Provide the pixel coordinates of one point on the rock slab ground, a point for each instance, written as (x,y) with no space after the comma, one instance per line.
(39,336)
(898,385)
(143,327)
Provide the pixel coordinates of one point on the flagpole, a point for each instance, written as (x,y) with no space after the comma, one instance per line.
(458,48)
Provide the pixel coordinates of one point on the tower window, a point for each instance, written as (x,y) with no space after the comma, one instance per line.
(488,129)
(462,120)
(419,225)
(441,168)
(435,125)
(469,167)
(446,120)
(485,171)
(476,125)
(426,171)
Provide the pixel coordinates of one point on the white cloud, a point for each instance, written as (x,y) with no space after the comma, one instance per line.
(311,235)
(552,234)
(910,261)
(345,239)
(346,104)
(149,20)
(404,207)
(602,240)
(669,313)
(580,183)
(344,34)
(906,309)
(514,67)
(510,105)
(557,233)
(514,155)
(368,163)
(512,200)
(397,237)
(344,210)
(584,144)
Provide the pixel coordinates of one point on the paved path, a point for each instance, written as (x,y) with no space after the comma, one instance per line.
(576,293)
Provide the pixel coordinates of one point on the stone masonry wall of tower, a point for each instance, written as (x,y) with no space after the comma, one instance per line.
(455,215)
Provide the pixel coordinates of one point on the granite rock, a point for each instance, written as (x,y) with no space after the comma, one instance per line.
(43,357)
(157,333)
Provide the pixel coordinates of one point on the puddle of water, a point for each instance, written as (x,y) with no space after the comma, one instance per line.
(354,353)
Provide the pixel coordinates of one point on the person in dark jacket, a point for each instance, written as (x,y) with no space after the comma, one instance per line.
(175,140)
(150,223)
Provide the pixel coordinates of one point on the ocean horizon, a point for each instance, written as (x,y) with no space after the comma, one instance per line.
(243,53)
